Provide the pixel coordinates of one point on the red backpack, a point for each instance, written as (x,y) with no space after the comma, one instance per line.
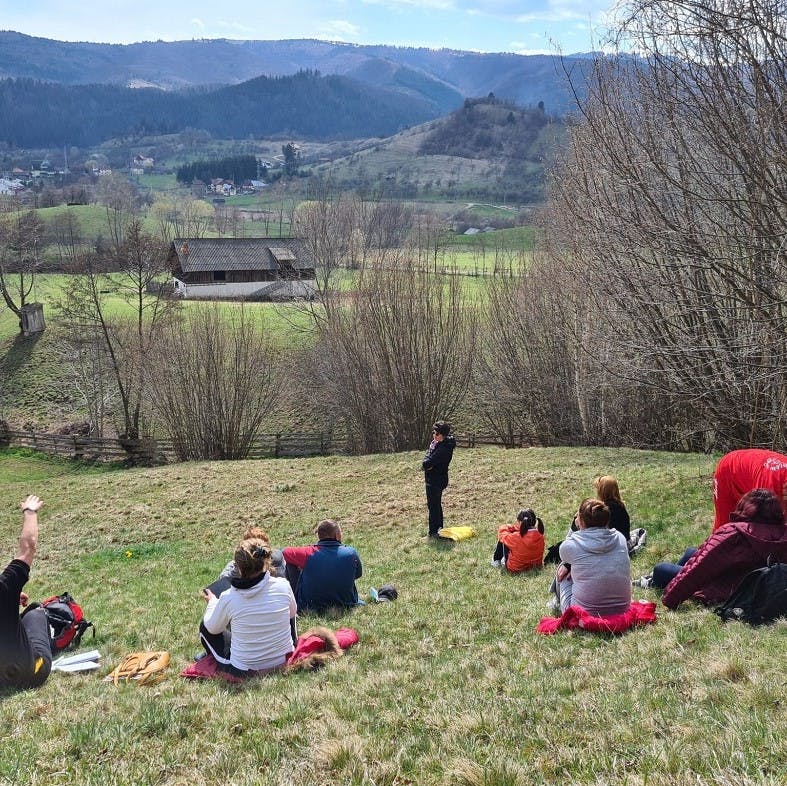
(67,624)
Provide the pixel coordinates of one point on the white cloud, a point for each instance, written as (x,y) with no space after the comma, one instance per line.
(198,23)
(339,30)
(235,27)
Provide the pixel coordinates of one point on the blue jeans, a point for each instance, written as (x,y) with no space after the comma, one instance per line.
(664,572)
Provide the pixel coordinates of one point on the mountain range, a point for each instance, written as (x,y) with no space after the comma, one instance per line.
(441,77)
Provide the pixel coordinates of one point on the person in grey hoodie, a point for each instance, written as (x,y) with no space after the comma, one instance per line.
(595,570)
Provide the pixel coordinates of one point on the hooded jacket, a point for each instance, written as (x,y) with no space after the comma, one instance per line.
(524,551)
(721,562)
(260,617)
(436,460)
(600,570)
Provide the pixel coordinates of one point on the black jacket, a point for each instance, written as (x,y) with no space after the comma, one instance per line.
(436,461)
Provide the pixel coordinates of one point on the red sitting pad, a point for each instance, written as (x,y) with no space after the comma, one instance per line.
(207,669)
(639,613)
(310,643)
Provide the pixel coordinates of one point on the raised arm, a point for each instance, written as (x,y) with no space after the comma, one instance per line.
(28,538)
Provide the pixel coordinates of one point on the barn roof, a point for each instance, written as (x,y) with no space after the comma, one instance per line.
(224,253)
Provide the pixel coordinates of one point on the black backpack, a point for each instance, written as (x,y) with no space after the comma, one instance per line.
(760,598)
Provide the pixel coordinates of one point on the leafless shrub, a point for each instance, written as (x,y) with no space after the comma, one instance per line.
(214,382)
(395,355)
(670,207)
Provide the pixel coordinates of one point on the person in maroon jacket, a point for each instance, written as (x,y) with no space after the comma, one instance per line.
(743,470)
(756,531)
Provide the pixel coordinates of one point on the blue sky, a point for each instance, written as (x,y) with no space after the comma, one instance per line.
(521,26)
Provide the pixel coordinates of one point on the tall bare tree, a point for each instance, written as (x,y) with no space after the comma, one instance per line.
(669,207)
(126,335)
(117,195)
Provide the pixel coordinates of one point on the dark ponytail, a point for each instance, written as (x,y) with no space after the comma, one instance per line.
(527,519)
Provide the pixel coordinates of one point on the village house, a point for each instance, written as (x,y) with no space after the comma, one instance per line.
(242,269)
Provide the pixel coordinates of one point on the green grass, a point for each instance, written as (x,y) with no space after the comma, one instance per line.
(34,388)
(449,685)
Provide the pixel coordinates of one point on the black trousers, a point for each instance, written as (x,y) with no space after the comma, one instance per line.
(434,503)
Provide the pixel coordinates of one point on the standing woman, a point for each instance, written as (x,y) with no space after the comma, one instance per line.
(259,608)
(608,492)
(435,467)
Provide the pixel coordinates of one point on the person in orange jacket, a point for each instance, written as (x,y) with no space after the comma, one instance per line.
(520,546)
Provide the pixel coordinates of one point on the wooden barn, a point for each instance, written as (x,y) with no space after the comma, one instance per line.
(243,269)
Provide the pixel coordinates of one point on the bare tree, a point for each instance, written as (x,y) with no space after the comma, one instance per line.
(117,195)
(21,242)
(182,216)
(126,334)
(215,382)
(396,356)
(669,207)
(66,231)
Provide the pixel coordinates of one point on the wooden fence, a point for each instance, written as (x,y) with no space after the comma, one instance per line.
(161,451)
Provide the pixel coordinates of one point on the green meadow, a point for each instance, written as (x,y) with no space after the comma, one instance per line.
(450,684)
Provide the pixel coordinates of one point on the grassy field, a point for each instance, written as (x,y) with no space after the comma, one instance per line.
(449,685)
(34,385)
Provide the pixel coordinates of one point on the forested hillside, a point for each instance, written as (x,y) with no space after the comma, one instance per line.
(442,77)
(306,105)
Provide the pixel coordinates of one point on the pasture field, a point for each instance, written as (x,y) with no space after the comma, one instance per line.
(34,383)
(449,685)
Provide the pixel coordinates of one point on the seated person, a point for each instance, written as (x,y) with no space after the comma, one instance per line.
(324,574)
(755,532)
(259,608)
(25,646)
(743,470)
(608,491)
(277,560)
(595,570)
(520,546)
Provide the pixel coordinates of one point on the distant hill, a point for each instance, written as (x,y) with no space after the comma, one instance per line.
(488,150)
(305,105)
(441,78)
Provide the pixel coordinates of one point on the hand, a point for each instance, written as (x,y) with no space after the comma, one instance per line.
(207,595)
(563,573)
(31,503)
(24,599)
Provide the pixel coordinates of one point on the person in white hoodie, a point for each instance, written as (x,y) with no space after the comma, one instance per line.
(260,610)
(595,569)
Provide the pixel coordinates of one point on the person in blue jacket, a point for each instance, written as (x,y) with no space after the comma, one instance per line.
(435,467)
(323,575)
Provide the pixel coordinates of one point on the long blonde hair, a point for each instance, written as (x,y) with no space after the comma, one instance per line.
(607,489)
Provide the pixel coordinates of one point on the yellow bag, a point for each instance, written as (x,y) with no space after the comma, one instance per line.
(145,667)
(456,533)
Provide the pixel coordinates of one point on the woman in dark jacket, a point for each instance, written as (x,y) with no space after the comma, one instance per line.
(435,467)
(756,531)
(608,491)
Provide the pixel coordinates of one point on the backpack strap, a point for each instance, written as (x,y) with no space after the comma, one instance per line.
(80,630)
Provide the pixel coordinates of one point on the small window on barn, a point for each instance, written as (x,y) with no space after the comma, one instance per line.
(219,275)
